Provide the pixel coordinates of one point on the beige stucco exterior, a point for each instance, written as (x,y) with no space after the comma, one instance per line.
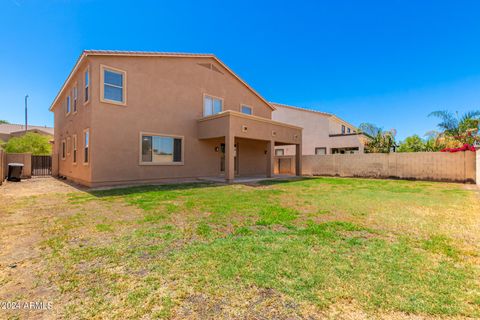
(164,95)
(320,130)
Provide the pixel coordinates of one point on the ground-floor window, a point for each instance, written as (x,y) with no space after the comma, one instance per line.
(74,150)
(86,145)
(64,150)
(321,151)
(279,152)
(161,149)
(344,150)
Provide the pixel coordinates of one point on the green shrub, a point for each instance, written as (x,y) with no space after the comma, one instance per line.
(34,143)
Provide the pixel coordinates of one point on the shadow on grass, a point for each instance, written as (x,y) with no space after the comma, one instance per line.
(283,181)
(122,191)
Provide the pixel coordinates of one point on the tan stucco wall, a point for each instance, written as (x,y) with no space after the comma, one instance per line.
(439,166)
(316,130)
(478,166)
(74,123)
(3,172)
(164,96)
(25,158)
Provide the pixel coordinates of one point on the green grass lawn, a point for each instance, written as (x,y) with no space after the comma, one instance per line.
(277,249)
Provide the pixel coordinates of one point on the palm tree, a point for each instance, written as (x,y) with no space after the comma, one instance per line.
(380,141)
(457,129)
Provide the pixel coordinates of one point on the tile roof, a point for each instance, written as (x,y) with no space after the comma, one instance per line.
(8,128)
(302,109)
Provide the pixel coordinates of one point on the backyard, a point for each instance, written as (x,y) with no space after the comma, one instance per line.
(308,248)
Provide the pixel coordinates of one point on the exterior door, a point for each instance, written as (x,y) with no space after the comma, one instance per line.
(222,158)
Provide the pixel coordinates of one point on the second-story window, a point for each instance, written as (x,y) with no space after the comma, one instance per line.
(348,130)
(68,105)
(246,109)
(212,105)
(113,85)
(343,129)
(87,86)
(75,95)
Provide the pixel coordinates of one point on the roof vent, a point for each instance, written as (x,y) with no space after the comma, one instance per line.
(210,66)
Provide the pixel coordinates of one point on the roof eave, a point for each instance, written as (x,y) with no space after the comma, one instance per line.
(74,69)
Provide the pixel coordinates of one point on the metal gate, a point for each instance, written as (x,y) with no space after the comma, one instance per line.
(41,165)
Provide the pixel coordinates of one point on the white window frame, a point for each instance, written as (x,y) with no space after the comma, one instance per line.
(104,68)
(86,146)
(163,135)
(75,98)
(68,105)
(87,85)
(63,149)
(246,106)
(213,98)
(68,146)
(74,149)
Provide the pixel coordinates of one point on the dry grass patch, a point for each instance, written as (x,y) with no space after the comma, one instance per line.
(313,248)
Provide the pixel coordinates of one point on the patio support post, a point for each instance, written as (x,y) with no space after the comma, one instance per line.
(270,158)
(229,157)
(298,159)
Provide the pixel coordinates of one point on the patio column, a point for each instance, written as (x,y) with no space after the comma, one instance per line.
(298,159)
(229,157)
(270,158)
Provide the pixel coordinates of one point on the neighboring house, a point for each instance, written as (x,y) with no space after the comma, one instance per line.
(9,130)
(142,117)
(323,133)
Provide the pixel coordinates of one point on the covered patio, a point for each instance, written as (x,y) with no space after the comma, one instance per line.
(233,127)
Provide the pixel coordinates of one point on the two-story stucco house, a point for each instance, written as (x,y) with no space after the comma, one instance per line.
(144,117)
(323,133)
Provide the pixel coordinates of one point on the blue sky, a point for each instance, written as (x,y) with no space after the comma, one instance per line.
(386,62)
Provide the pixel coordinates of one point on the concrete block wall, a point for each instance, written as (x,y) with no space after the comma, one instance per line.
(478,166)
(25,158)
(3,172)
(435,166)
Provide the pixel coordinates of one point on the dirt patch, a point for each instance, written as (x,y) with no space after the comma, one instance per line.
(37,186)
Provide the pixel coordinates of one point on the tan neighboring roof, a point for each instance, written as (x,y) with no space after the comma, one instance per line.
(151,54)
(326,114)
(275,104)
(9,128)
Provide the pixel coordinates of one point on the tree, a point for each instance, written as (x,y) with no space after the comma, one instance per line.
(458,130)
(412,144)
(380,141)
(34,143)
(416,144)
(4,122)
